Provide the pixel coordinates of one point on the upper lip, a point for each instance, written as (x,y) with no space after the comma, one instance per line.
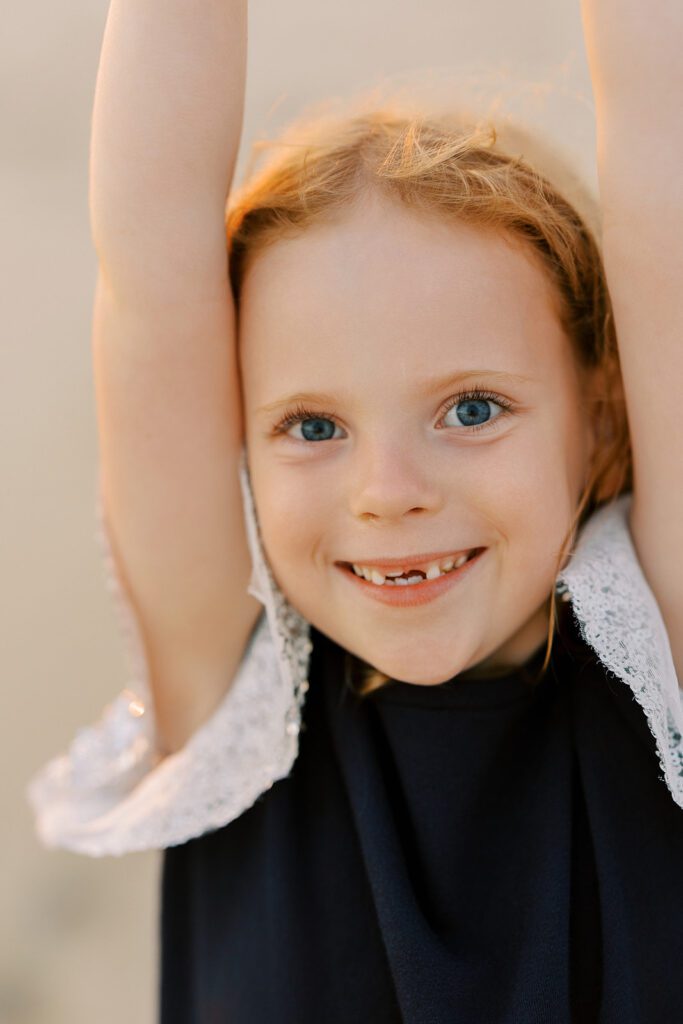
(410,561)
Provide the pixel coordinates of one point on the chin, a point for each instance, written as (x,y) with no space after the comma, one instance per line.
(404,672)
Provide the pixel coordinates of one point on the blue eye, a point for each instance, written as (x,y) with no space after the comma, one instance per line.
(473,411)
(316,428)
(320,426)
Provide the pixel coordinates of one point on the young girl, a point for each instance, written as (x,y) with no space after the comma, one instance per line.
(452,636)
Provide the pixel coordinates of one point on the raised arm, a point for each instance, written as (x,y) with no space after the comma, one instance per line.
(634,51)
(167,120)
(166,127)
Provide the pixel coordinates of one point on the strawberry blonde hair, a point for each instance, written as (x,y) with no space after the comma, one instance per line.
(457,167)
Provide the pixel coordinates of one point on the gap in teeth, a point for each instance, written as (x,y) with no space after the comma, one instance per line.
(391,578)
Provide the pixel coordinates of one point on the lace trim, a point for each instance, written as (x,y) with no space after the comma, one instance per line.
(618,616)
(290,630)
(112,792)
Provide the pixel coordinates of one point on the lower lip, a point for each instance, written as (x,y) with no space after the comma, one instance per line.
(414,593)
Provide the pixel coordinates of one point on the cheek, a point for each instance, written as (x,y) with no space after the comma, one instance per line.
(293,516)
(520,477)
(527,494)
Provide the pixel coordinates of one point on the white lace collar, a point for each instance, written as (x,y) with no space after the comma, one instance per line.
(617,614)
(113,792)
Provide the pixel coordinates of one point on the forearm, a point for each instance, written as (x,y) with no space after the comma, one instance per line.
(634,55)
(167,120)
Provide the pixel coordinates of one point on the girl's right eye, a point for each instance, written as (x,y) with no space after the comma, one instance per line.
(315,426)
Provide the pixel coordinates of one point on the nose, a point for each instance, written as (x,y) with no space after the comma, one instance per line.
(390,480)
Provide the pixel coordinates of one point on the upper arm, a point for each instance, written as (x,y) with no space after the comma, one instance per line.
(170,434)
(642,207)
(634,60)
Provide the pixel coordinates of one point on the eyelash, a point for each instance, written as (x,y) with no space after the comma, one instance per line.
(301,412)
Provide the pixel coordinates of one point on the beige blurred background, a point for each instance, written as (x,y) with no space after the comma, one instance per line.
(79,935)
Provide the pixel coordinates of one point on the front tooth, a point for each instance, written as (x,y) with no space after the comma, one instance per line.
(432,572)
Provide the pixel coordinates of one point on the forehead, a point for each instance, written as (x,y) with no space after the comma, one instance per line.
(386,293)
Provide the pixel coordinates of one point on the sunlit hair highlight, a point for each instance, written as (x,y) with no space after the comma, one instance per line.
(453,166)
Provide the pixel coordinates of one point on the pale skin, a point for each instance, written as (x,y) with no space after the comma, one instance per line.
(634,53)
(372,306)
(398,475)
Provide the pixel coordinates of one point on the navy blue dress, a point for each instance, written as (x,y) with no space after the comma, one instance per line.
(484,851)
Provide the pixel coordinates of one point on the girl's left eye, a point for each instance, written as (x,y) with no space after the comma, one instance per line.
(475,403)
(475,406)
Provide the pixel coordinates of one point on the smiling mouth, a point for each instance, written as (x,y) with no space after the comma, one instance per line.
(409,577)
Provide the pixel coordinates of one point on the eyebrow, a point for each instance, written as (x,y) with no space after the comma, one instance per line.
(426,387)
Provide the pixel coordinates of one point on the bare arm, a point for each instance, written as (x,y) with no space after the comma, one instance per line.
(634,50)
(166,127)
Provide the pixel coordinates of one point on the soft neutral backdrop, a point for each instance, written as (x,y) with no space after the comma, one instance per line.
(78,936)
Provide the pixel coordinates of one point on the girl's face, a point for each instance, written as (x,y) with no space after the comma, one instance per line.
(382,325)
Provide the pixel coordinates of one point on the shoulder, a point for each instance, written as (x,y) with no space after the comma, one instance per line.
(615,608)
(618,616)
